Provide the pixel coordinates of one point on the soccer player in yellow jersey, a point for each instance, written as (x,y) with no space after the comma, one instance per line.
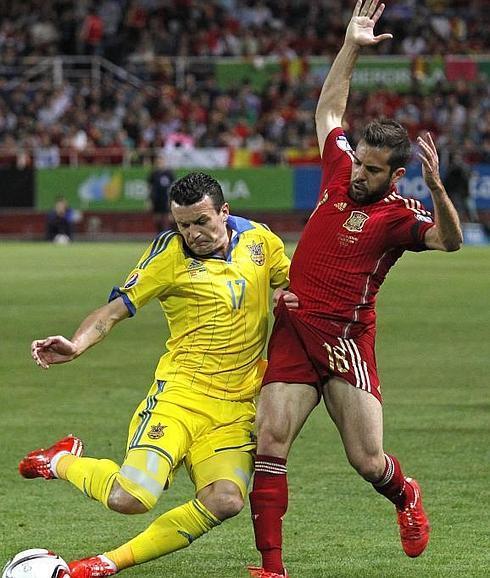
(212,279)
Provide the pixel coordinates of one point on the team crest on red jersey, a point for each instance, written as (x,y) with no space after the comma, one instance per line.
(257,252)
(356,221)
(157,431)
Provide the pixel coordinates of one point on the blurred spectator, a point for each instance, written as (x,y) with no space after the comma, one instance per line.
(92,32)
(159,181)
(46,155)
(457,184)
(43,33)
(59,224)
(414,42)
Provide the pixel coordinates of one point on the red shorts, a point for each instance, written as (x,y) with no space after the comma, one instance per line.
(298,353)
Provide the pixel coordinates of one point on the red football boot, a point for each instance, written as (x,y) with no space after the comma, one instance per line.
(414,524)
(37,464)
(257,572)
(94,567)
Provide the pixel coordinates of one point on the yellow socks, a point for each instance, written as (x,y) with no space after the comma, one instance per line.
(122,557)
(91,476)
(63,464)
(172,531)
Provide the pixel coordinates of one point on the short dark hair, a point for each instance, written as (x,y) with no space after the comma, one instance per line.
(194,187)
(387,133)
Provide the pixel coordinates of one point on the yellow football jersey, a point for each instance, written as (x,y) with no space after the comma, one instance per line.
(217,308)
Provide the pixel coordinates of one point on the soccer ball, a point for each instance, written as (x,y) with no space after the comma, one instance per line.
(36,563)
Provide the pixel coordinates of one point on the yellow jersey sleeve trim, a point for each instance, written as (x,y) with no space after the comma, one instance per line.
(158,247)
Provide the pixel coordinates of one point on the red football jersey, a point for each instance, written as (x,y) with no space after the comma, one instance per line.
(347,249)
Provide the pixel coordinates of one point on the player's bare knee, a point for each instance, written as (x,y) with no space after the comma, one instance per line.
(223,499)
(123,502)
(229,505)
(369,467)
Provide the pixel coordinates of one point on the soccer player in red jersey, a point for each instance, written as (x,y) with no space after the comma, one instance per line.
(324,348)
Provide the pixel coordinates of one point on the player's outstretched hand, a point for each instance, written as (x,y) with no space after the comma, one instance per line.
(430,161)
(290,299)
(54,349)
(361,26)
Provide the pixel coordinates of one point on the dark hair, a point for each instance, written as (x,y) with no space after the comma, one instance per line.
(194,187)
(390,134)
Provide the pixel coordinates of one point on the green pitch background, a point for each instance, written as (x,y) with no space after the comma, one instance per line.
(433,354)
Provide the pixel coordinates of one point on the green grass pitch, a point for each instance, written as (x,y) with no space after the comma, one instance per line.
(433,356)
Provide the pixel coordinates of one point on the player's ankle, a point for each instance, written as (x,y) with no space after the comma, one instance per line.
(272,560)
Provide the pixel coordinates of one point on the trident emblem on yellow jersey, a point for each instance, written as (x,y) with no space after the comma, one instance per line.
(156,431)
(257,252)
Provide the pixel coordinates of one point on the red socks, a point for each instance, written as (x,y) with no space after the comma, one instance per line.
(393,485)
(269,502)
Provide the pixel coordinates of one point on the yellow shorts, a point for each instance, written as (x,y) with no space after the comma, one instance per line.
(174,424)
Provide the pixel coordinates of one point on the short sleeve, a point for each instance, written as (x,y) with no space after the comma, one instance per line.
(279,270)
(408,226)
(336,161)
(151,278)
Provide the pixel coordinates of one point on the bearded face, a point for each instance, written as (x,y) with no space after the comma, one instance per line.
(372,176)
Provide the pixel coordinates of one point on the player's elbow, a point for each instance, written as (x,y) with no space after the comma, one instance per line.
(453,246)
(447,247)
(447,242)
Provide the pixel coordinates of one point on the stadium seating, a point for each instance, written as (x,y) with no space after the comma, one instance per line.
(118,83)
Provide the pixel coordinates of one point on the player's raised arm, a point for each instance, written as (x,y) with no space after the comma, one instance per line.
(335,91)
(446,234)
(59,349)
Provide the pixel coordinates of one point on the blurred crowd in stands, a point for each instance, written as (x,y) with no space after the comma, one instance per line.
(108,123)
(129,29)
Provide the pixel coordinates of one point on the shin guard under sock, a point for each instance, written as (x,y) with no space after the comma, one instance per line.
(269,502)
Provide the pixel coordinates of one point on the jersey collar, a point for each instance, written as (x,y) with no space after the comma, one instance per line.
(237,225)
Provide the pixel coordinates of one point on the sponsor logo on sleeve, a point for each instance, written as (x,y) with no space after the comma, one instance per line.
(343,143)
(324,198)
(424,218)
(321,202)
